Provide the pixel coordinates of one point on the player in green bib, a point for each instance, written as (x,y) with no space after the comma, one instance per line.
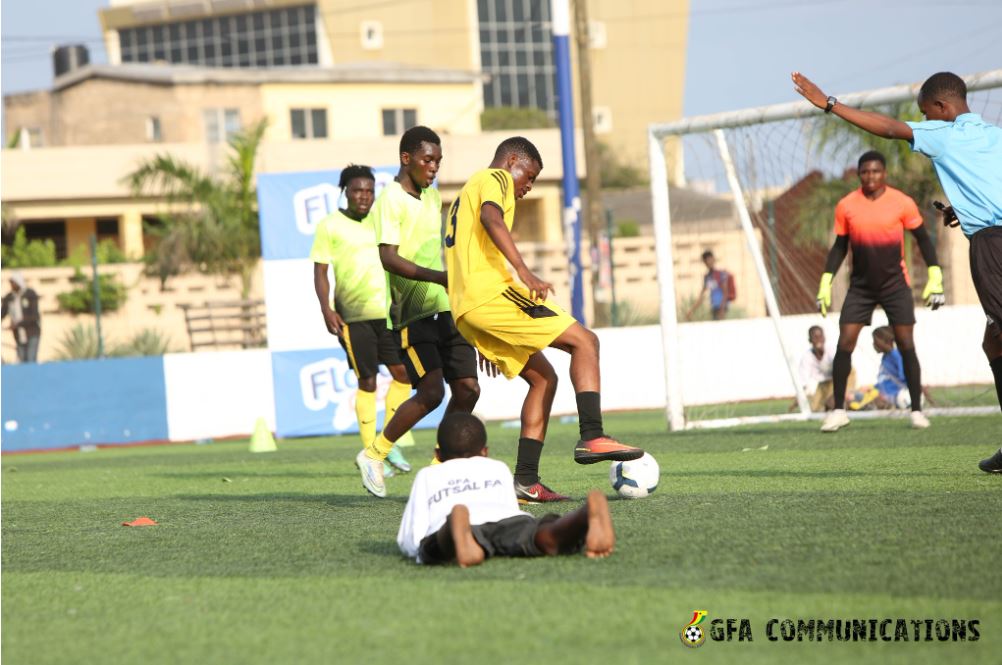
(408,222)
(358,315)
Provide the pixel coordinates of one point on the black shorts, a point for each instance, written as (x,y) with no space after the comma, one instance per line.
(859,303)
(369,344)
(986,271)
(514,536)
(434,343)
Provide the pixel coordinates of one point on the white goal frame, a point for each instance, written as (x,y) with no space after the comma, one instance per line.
(716,123)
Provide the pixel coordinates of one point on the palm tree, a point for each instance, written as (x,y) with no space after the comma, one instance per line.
(218,231)
(906,170)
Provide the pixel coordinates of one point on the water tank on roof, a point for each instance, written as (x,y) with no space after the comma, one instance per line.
(68,57)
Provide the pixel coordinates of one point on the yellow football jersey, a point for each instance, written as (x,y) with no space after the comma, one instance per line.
(477,270)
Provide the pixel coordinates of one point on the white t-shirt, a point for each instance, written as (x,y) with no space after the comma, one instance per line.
(482,484)
(814,370)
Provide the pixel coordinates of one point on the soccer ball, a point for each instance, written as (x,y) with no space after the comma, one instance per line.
(635,479)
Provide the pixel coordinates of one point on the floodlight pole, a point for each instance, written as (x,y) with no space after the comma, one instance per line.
(561,14)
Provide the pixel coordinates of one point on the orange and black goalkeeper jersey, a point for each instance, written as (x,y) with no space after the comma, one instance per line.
(876,236)
(477,270)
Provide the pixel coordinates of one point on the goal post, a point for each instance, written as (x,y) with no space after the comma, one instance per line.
(766,166)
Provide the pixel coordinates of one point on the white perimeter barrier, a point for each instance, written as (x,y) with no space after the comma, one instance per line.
(223,394)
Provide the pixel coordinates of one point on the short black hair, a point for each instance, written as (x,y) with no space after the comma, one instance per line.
(708,254)
(461,435)
(871,156)
(810,331)
(353,171)
(884,332)
(944,85)
(412,139)
(521,146)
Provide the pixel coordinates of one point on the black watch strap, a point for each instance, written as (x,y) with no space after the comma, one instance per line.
(831,104)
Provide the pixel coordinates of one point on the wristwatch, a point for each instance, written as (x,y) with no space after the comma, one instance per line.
(831,103)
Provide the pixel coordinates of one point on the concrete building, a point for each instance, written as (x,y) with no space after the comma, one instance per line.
(637,47)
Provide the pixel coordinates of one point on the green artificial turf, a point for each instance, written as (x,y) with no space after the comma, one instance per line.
(282,558)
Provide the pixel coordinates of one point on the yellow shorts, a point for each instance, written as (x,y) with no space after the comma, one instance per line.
(511,327)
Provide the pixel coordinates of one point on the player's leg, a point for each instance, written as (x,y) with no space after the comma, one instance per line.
(594,445)
(900,309)
(857,310)
(542,380)
(591,523)
(359,345)
(398,393)
(992,346)
(459,366)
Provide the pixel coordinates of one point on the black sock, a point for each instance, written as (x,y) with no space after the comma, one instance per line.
(590,415)
(996,366)
(527,463)
(841,367)
(913,375)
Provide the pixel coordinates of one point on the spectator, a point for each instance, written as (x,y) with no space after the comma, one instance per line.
(887,393)
(816,372)
(720,284)
(22,305)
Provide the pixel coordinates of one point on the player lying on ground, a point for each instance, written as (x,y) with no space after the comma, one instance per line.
(510,324)
(966,152)
(358,313)
(408,222)
(464,510)
(872,220)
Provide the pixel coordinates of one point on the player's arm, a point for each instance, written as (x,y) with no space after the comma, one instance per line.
(837,254)
(322,285)
(875,123)
(933,293)
(398,265)
(492,219)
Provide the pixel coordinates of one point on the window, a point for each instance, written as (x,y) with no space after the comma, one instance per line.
(372,35)
(107,229)
(516,50)
(398,121)
(153,131)
(251,39)
(308,123)
(220,124)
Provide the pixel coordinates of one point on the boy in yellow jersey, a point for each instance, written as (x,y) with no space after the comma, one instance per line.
(408,222)
(346,240)
(511,324)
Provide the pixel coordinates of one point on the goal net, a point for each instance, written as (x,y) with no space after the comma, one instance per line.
(758,188)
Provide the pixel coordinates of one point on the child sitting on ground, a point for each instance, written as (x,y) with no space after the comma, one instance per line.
(890,391)
(465,510)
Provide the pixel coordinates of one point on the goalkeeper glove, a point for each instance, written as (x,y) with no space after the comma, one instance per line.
(949,215)
(825,293)
(933,292)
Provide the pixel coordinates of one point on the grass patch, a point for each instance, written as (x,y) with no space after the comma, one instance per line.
(282,557)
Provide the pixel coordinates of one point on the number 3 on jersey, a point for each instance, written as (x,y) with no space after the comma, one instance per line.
(450,237)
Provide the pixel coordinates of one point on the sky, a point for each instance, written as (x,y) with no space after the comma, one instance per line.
(740,52)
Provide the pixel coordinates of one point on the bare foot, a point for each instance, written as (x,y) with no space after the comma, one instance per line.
(601,537)
(468,550)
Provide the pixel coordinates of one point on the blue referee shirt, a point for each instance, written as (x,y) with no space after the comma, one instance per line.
(967,156)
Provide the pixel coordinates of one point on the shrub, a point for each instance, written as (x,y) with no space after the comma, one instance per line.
(29,254)
(78,343)
(81,299)
(146,342)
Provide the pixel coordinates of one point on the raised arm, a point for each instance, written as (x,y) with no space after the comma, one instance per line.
(398,265)
(875,123)
(493,222)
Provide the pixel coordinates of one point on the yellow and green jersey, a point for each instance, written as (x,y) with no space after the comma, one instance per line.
(359,280)
(477,270)
(415,227)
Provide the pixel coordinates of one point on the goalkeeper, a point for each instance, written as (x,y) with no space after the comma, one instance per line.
(871,220)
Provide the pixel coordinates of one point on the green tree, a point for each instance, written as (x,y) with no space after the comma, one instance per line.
(218,231)
(906,170)
(24,253)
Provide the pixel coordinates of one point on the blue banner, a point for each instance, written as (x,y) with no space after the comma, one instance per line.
(291,204)
(315,394)
(84,402)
